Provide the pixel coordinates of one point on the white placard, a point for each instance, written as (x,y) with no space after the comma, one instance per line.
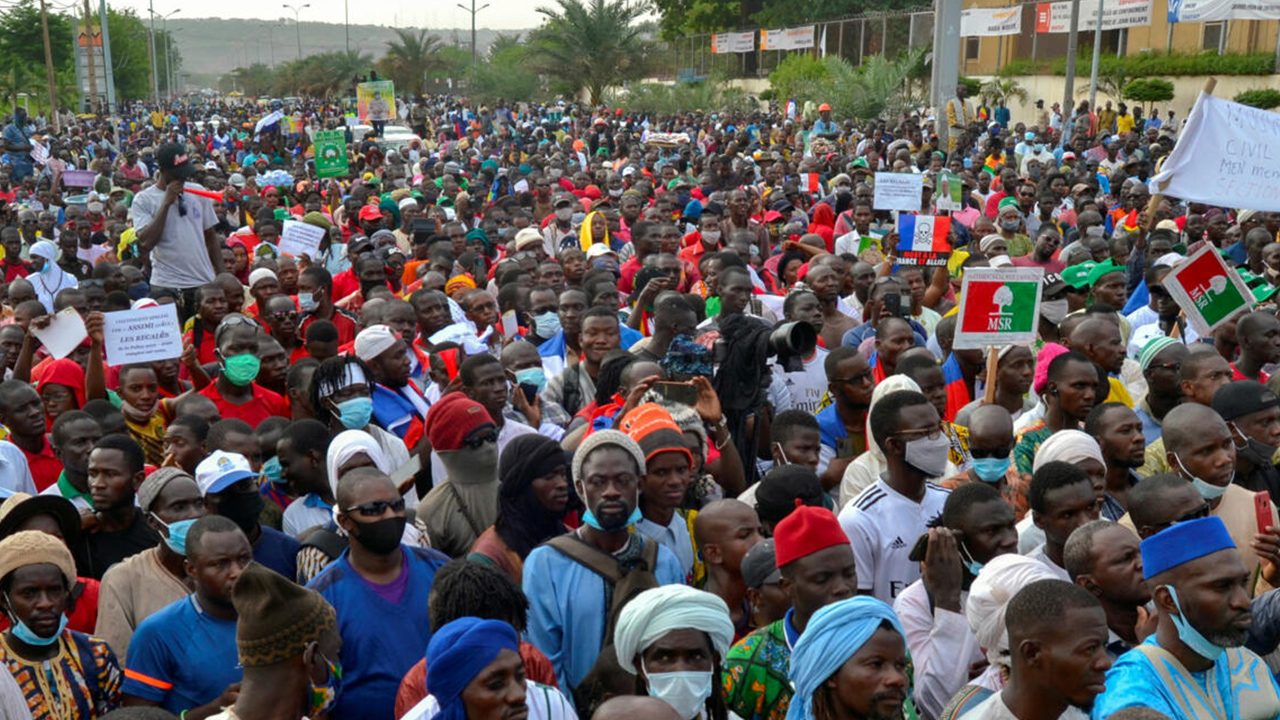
(991,22)
(143,335)
(299,238)
(796,38)
(463,334)
(63,334)
(1116,14)
(1213,10)
(1228,156)
(743,42)
(898,191)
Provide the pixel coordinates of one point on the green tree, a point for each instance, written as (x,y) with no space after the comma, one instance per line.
(1003,89)
(1148,90)
(505,73)
(409,58)
(592,44)
(1261,98)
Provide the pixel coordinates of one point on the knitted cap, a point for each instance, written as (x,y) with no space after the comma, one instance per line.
(454,417)
(32,547)
(1152,349)
(277,618)
(806,531)
(606,438)
(155,483)
(651,426)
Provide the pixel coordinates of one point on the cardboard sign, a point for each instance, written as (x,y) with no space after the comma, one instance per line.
(898,191)
(922,240)
(144,335)
(63,335)
(998,306)
(376,101)
(331,154)
(950,193)
(299,238)
(1209,292)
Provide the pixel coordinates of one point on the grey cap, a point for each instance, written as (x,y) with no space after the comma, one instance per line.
(151,487)
(760,566)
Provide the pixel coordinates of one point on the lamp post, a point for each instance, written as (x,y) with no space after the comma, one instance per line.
(168,52)
(298,23)
(473,10)
(151,49)
(271,43)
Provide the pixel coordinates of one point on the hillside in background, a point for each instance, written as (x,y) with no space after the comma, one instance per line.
(210,47)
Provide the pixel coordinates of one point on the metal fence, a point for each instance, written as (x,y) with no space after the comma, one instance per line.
(852,38)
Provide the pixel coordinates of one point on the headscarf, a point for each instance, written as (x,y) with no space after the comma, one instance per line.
(832,636)
(1070,446)
(1047,353)
(585,238)
(483,237)
(67,373)
(823,225)
(523,523)
(347,445)
(657,611)
(460,651)
(891,384)
(996,584)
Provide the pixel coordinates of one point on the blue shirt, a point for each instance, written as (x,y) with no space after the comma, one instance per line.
(278,552)
(1151,430)
(831,427)
(182,657)
(856,336)
(380,640)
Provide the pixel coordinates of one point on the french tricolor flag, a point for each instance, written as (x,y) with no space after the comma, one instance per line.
(923,233)
(813,184)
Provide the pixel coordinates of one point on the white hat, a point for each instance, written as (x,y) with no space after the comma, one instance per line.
(598,250)
(261,274)
(236,180)
(373,341)
(1169,260)
(526,237)
(406,202)
(221,470)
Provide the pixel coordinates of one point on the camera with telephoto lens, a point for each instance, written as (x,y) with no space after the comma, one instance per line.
(792,342)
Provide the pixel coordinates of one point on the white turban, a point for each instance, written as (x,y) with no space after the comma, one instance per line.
(261,274)
(656,612)
(1069,446)
(346,445)
(996,584)
(988,241)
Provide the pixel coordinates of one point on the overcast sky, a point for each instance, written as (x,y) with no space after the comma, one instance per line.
(500,15)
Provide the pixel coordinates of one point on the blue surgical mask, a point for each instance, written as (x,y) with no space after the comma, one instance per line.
(532,376)
(589,518)
(177,539)
(547,324)
(307,302)
(991,470)
(1191,637)
(1207,491)
(28,636)
(355,413)
(272,471)
(973,566)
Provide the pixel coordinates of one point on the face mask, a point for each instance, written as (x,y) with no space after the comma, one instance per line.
(139,291)
(1011,225)
(991,470)
(548,323)
(1055,311)
(28,636)
(929,456)
(563,214)
(685,692)
(323,697)
(242,508)
(241,369)
(381,536)
(1207,491)
(1039,147)
(615,192)
(1258,453)
(307,302)
(177,539)
(1191,637)
(48,267)
(589,518)
(782,453)
(532,376)
(355,413)
(711,235)
(272,471)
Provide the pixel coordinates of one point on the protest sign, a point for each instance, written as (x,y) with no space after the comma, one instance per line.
(950,194)
(376,101)
(1209,292)
(1228,156)
(922,240)
(1214,10)
(998,306)
(299,238)
(991,22)
(63,334)
(1116,14)
(743,42)
(796,38)
(143,335)
(898,191)
(331,153)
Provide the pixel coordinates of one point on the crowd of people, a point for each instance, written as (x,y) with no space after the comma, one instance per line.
(579,413)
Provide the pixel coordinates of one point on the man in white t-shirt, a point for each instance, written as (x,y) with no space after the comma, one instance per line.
(885,520)
(184,249)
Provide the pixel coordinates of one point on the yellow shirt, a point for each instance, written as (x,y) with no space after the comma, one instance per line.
(1124,123)
(1119,393)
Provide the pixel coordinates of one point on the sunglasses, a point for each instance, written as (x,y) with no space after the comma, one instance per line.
(990,452)
(376,508)
(475,442)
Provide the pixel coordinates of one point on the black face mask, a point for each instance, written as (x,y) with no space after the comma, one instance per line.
(243,509)
(380,536)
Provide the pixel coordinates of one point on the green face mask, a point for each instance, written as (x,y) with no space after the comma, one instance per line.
(241,369)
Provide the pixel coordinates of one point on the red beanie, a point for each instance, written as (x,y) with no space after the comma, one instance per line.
(454,417)
(806,531)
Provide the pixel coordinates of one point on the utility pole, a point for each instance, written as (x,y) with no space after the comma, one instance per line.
(946,55)
(1093,71)
(474,11)
(151,49)
(108,69)
(1073,41)
(48,66)
(88,53)
(297,23)
(346,23)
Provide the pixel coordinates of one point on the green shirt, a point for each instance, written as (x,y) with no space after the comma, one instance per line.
(756,683)
(69,491)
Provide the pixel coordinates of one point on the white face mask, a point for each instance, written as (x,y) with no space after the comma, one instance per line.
(711,235)
(929,456)
(564,214)
(685,692)
(1055,311)
(1207,490)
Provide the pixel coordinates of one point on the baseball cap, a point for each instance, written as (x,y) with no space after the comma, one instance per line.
(370,212)
(236,180)
(1243,397)
(759,566)
(172,157)
(599,250)
(221,470)
(1052,283)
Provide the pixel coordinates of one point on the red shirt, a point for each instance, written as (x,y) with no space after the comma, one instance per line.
(345,283)
(45,468)
(1235,375)
(265,403)
(343,322)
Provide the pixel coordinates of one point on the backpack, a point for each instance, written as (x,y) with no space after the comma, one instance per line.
(621,584)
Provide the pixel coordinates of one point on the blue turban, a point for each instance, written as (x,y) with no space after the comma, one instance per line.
(832,636)
(460,651)
(1183,542)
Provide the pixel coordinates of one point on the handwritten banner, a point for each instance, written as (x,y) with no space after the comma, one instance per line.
(299,238)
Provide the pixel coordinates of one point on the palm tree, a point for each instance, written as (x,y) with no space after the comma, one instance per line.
(1004,90)
(411,57)
(592,44)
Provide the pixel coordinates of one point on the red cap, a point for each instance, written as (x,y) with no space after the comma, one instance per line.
(453,418)
(806,531)
(370,212)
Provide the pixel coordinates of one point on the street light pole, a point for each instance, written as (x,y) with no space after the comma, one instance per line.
(474,11)
(151,48)
(168,53)
(346,22)
(298,23)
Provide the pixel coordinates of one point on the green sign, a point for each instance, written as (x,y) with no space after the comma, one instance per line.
(1209,292)
(331,153)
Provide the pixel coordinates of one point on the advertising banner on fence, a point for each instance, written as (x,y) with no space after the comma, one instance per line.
(1213,10)
(991,22)
(1116,14)
(796,38)
(376,100)
(743,42)
(1228,156)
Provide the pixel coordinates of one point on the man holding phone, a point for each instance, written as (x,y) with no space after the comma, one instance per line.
(884,299)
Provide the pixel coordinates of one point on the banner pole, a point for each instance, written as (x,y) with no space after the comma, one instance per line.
(993,363)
